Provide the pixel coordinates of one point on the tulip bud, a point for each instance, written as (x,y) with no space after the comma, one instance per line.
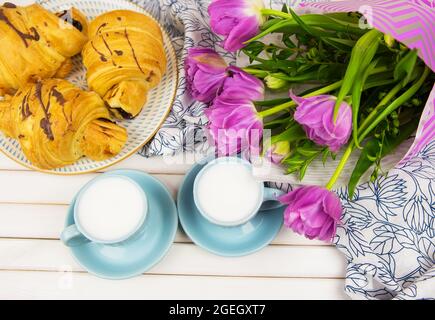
(389,40)
(416,102)
(275,83)
(278,151)
(313,52)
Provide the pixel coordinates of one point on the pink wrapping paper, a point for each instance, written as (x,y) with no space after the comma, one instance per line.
(411,22)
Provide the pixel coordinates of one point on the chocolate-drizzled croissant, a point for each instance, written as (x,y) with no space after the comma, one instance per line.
(125,58)
(57,123)
(37,44)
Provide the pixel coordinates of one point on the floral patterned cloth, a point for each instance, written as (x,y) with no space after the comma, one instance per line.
(387,231)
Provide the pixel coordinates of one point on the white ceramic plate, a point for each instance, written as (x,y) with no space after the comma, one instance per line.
(143,127)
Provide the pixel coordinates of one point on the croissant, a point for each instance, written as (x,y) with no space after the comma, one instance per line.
(125,58)
(37,44)
(57,123)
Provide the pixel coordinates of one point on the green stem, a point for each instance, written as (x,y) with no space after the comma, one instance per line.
(271,12)
(287,105)
(340,166)
(395,104)
(256,72)
(381,104)
(313,75)
(281,107)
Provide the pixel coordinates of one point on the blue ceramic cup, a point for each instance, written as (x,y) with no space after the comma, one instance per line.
(76,234)
(268,199)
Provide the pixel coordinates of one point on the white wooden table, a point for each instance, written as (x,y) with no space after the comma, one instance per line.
(34,264)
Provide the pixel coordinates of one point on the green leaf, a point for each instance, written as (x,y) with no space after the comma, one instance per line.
(358,88)
(340,44)
(325,155)
(285,8)
(309,149)
(271,103)
(278,123)
(309,29)
(269,23)
(366,159)
(362,54)
(253,49)
(304,168)
(288,41)
(321,23)
(284,54)
(399,101)
(405,67)
(293,133)
(304,77)
(302,156)
(274,27)
(294,163)
(351,18)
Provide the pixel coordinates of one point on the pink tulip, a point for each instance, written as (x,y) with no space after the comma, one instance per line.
(236,20)
(206,73)
(316,115)
(313,212)
(234,125)
(242,85)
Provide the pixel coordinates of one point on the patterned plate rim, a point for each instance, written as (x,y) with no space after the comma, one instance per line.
(135,150)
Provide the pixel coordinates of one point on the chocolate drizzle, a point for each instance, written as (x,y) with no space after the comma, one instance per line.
(110,50)
(132,50)
(61,100)
(77,24)
(62,14)
(32,35)
(9,5)
(45,123)
(25,107)
(119,52)
(102,56)
(66,16)
(150,76)
(58,96)
(107,45)
(101,27)
(126,115)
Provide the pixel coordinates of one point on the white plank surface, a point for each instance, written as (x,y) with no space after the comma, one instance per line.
(64,285)
(178,164)
(46,222)
(273,261)
(35,265)
(33,261)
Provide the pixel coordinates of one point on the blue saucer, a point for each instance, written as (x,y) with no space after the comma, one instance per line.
(225,241)
(134,258)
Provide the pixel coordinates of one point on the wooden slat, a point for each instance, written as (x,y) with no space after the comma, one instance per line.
(52,285)
(178,164)
(35,187)
(47,221)
(274,261)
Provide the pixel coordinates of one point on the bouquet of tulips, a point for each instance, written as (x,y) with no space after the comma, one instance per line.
(348,88)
